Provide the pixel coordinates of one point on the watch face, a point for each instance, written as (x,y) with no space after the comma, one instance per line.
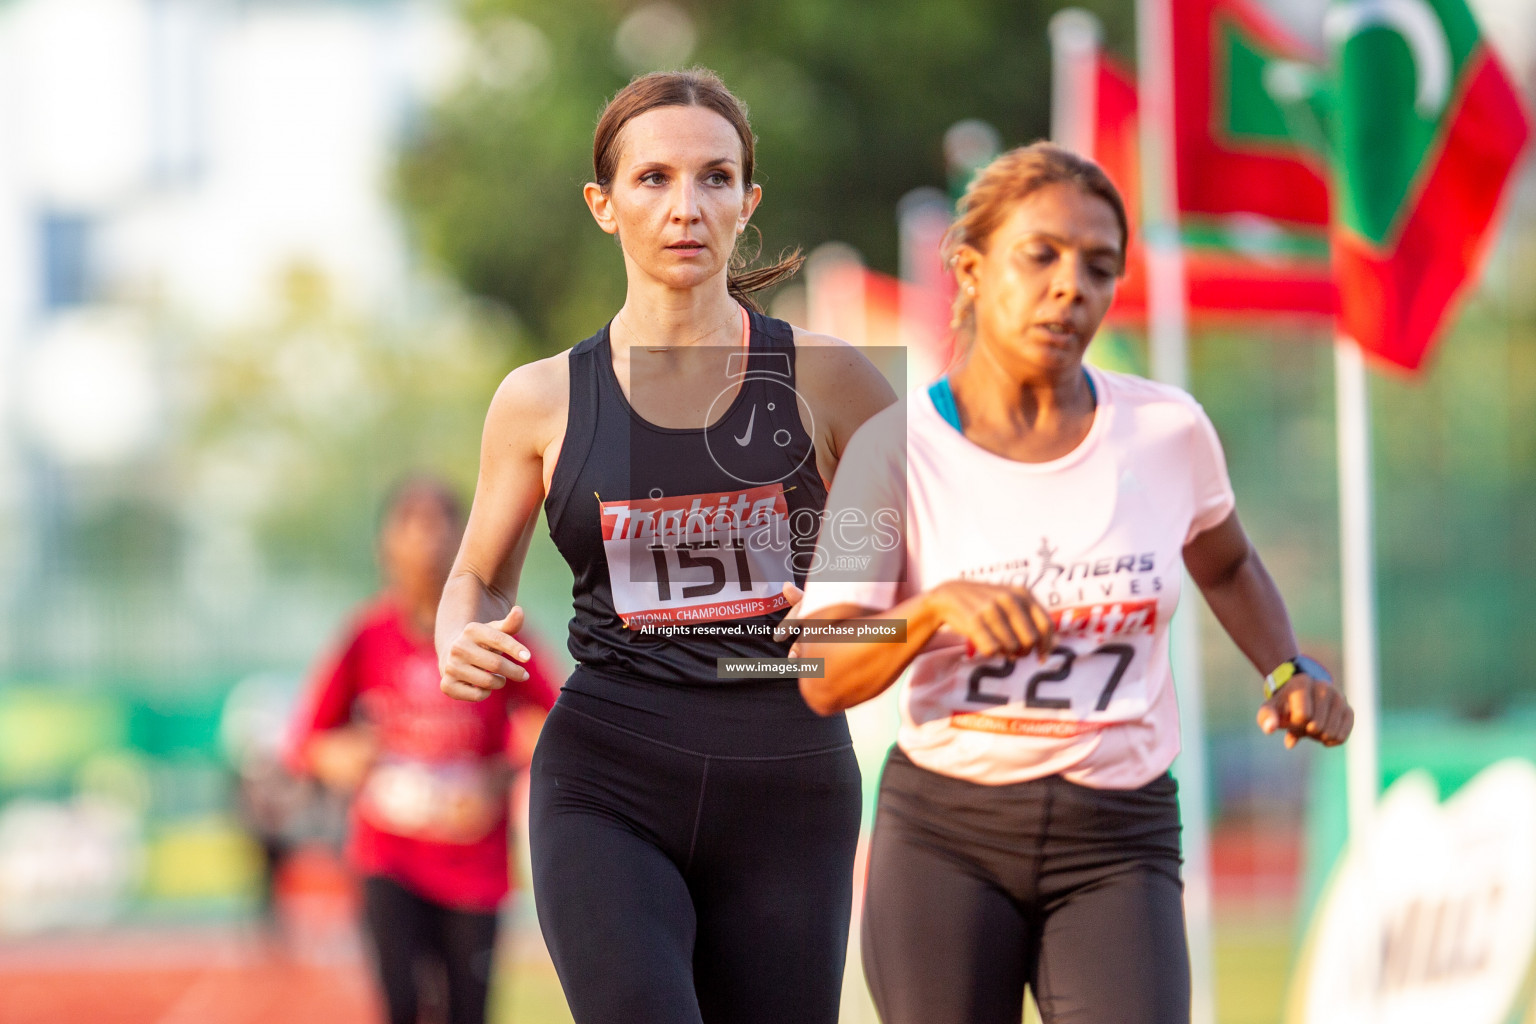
(1313,668)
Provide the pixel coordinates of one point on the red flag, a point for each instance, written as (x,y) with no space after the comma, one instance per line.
(1239,153)
(1252,191)
(1253,198)
(1428,130)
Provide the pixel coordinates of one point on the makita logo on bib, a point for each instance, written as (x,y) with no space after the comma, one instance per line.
(693,518)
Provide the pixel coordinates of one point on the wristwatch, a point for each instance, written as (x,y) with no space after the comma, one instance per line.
(1300,664)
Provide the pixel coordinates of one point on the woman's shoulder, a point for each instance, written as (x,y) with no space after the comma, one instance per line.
(888,432)
(831,363)
(829,352)
(534,398)
(1150,409)
(1137,390)
(834,363)
(822,361)
(537,379)
(812,339)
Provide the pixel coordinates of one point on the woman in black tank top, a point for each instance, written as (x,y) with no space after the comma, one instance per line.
(692,832)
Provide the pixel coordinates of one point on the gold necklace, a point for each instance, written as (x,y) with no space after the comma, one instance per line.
(691,341)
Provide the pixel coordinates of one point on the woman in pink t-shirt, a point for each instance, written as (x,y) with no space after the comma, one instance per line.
(429,775)
(1031,520)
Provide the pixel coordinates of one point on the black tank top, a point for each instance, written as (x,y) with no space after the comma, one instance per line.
(670,529)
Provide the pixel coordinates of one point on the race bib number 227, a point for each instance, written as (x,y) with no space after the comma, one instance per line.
(1094,676)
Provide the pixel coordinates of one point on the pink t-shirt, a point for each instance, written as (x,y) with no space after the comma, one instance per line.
(432,810)
(1097,535)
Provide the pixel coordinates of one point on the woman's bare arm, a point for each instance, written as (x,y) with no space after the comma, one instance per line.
(991,619)
(857,672)
(1223,563)
(478,616)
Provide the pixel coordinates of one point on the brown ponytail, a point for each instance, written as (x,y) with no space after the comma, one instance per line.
(695,87)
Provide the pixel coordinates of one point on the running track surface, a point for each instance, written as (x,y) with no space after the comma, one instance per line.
(236,975)
(308,969)
(182,977)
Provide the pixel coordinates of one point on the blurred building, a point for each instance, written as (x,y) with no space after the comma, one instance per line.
(173,171)
(172,163)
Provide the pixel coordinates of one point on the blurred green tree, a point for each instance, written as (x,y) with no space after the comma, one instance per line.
(850,101)
(303,421)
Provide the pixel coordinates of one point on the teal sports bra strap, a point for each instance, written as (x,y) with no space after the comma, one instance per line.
(944,401)
(943,398)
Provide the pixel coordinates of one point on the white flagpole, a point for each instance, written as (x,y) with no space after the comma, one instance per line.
(1075,38)
(922,217)
(1357,559)
(1167,335)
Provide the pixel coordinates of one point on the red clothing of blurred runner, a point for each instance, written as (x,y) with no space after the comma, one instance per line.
(431,812)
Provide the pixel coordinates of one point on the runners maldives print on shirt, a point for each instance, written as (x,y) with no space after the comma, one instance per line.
(1427,129)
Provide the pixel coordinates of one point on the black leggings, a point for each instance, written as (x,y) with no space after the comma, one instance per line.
(976,891)
(411,933)
(676,886)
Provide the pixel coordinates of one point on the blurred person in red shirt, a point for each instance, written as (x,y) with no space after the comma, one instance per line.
(430,776)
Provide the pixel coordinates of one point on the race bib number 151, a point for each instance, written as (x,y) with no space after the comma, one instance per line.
(698,557)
